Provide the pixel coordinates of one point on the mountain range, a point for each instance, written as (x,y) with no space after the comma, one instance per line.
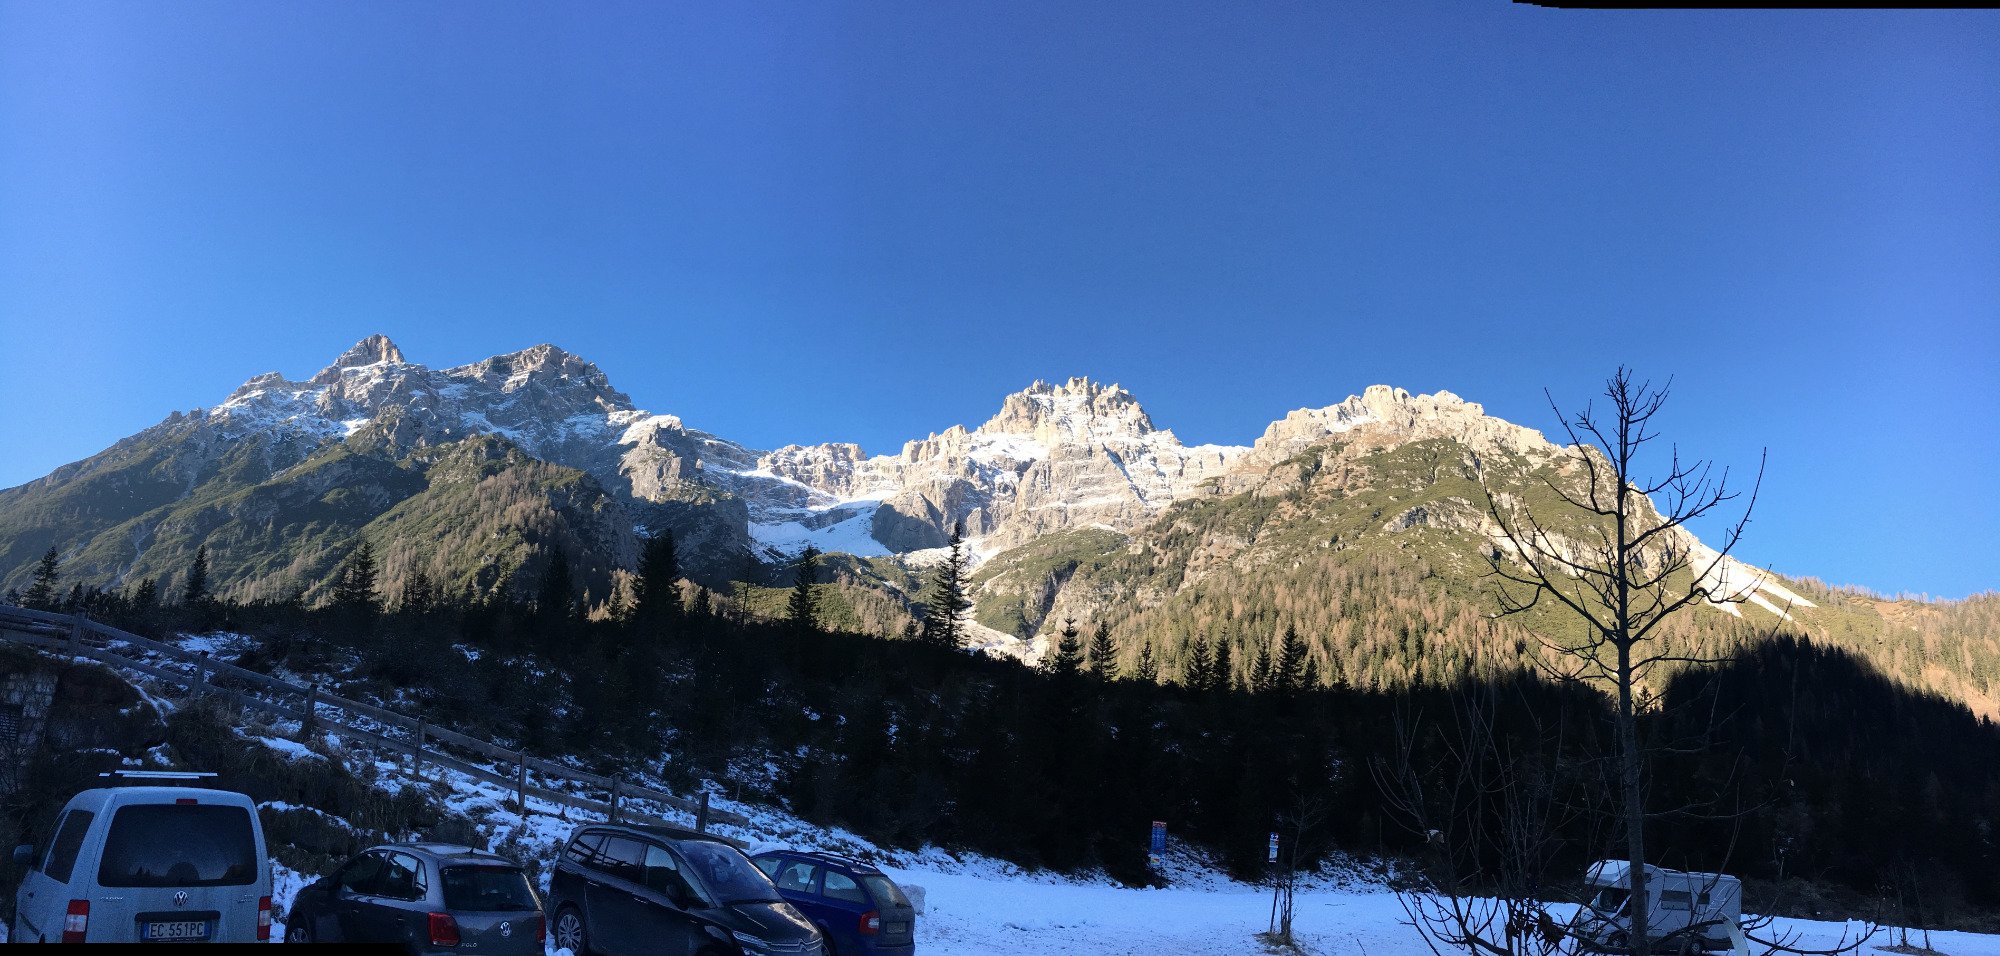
(1362,523)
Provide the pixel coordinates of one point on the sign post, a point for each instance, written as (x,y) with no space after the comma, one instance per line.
(1157,855)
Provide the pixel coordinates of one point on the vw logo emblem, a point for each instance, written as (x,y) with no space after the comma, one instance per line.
(506,928)
(181,898)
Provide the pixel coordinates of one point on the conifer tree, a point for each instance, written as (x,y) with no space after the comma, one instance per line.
(1148,671)
(195,594)
(419,594)
(703,604)
(1103,659)
(1223,676)
(1067,661)
(557,594)
(1260,672)
(946,604)
(354,587)
(1201,667)
(41,595)
(1288,671)
(800,611)
(148,593)
(658,589)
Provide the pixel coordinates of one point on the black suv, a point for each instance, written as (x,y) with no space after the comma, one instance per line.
(625,889)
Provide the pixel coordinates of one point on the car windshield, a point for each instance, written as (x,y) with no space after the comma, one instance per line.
(179,845)
(486,889)
(885,891)
(728,873)
(1610,899)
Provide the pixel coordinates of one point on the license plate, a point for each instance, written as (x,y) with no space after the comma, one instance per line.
(895,927)
(177,931)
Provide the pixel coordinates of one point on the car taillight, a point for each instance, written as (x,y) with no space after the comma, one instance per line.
(77,922)
(871,923)
(541,928)
(263,919)
(444,930)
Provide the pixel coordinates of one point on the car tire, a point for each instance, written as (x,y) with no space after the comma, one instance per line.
(831,947)
(297,933)
(566,931)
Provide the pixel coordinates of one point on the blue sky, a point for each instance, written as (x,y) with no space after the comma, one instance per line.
(867,222)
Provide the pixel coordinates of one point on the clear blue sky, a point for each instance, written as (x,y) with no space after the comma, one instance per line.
(869,221)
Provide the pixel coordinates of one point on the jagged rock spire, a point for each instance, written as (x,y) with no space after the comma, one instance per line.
(373,350)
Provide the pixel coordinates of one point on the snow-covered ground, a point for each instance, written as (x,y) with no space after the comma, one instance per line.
(977,906)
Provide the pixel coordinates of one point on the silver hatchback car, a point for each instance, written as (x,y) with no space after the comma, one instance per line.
(430,897)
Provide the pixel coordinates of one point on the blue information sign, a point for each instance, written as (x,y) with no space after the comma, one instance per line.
(1159,850)
(1273,858)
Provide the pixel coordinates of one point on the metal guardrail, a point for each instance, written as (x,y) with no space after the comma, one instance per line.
(79,636)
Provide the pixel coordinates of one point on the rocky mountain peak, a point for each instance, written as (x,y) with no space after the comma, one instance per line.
(1389,416)
(1079,409)
(373,350)
(546,366)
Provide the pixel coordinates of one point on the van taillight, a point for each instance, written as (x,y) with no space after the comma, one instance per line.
(263,919)
(871,923)
(444,930)
(77,922)
(541,929)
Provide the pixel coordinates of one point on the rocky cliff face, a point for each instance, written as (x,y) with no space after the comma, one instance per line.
(1054,457)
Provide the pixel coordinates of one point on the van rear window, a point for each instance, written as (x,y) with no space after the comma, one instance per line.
(179,845)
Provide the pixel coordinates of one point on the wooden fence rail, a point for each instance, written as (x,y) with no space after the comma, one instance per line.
(79,636)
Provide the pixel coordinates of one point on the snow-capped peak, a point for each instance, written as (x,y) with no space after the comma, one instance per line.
(1077,410)
(373,350)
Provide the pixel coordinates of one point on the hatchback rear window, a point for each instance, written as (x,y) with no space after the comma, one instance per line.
(179,845)
(885,891)
(486,889)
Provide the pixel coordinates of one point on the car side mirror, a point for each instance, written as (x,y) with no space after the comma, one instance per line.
(24,855)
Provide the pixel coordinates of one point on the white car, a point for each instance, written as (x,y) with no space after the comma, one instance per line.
(148,864)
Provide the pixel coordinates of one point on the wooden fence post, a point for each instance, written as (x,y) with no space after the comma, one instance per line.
(417,755)
(312,708)
(521,783)
(614,798)
(701,816)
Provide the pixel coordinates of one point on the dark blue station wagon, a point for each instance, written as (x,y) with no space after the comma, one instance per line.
(861,911)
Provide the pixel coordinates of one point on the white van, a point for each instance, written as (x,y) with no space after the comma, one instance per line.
(1675,901)
(148,864)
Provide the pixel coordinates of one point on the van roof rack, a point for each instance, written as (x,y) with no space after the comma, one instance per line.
(159,776)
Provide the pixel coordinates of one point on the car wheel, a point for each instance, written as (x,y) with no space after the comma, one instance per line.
(828,946)
(297,933)
(568,932)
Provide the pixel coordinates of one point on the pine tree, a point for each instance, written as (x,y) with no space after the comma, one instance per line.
(354,587)
(1223,676)
(703,604)
(195,594)
(148,593)
(1200,668)
(1260,672)
(800,611)
(42,594)
(557,594)
(419,594)
(1148,671)
(1067,662)
(1103,659)
(658,589)
(1288,671)
(946,604)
